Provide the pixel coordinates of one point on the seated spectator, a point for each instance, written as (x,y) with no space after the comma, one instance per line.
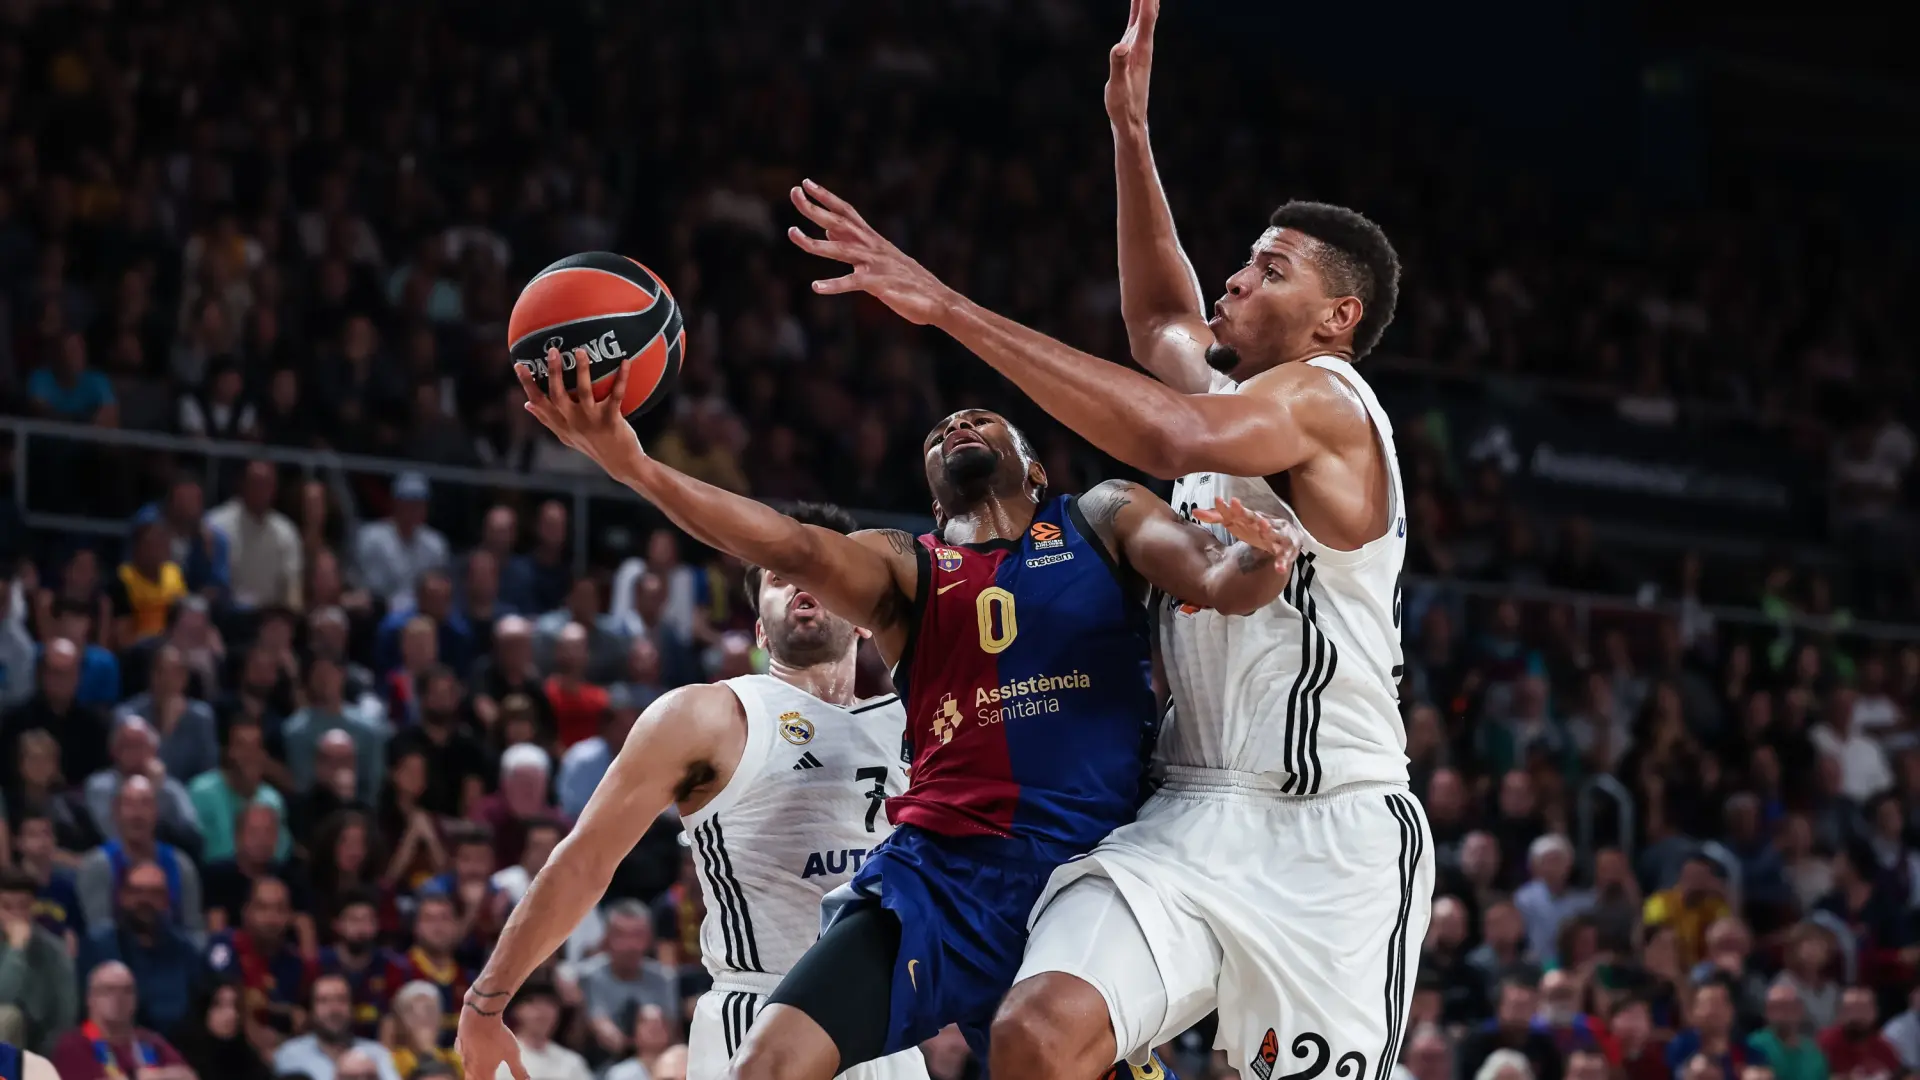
(678,913)
(624,977)
(1864,768)
(68,389)
(1480,865)
(1642,1051)
(42,792)
(577,704)
(136,818)
(329,635)
(525,771)
(192,544)
(56,902)
(1502,948)
(652,617)
(220,796)
(373,973)
(263,546)
(652,1036)
(1694,902)
(418,1021)
(141,935)
(1896,863)
(418,854)
(38,999)
(324,1052)
(1731,959)
(538,581)
(434,959)
(509,671)
(1810,959)
(457,765)
(585,762)
(136,752)
(512,881)
(214,1041)
(1784,1043)
(79,728)
(536,1020)
(144,588)
(336,784)
(1561,1018)
(479,603)
(641,683)
(1854,1047)
(469,882)
(1587,1063)
(403,687)
(328,710)
(389,555)
(262,956)
(1903,1031)
(264,696)
(1808,874)
(189,736)
(606,643)
(229,882)
(1547,899)
(1712,1033)
(1763,877)
(109,1045)
(433,599)
(1463,990)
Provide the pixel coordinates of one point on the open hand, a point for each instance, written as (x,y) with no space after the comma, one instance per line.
(1278,538)
(879,268)
(1129,65)
(484,1043)
(596,428)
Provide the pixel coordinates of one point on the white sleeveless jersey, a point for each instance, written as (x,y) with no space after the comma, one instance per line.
(1306,690)
(799,815)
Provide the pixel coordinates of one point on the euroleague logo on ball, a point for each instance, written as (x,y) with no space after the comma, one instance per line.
(599,350)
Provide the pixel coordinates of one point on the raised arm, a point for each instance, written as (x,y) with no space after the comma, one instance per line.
(1186,561)
(681,741)
(1160,295)
(869,578)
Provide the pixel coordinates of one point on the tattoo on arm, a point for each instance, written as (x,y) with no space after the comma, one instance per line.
(902,542)
(1103,504)
(488,996)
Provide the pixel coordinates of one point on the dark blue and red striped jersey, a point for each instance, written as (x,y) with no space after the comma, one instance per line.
(274,983)
(373,985)
(1028,683)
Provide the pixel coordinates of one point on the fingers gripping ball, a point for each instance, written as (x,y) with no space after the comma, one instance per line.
(614,308)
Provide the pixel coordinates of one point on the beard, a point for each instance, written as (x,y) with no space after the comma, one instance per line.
(814,641)
(1223,358)
(970,466)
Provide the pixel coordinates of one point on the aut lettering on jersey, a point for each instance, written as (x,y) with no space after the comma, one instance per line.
(843,861)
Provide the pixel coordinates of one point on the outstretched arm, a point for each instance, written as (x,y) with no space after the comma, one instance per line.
(868,578)
(1160,296)
(1278,420)
(1186,561)
(675,743)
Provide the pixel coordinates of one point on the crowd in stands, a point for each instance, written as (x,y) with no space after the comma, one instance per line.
(274,774)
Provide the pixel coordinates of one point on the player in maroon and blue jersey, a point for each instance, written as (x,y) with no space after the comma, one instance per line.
(1019,639)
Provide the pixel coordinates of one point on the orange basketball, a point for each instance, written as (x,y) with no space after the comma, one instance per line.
(614,308)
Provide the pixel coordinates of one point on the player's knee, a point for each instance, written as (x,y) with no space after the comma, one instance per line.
(1052,1026)
(758,1061)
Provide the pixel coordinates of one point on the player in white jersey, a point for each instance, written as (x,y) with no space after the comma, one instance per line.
(1281,875)
(779,780)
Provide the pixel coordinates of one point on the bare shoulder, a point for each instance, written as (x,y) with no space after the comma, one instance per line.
(893,542)
(1102,503)
(693,710)
(1315,398)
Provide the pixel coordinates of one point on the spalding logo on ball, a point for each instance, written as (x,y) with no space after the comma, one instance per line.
(612,307)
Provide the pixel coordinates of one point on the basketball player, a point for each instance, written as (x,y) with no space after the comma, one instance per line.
(18,1064)
(1019,642)
(1282,873)
(779,781)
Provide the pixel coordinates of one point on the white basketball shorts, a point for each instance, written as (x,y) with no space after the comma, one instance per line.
(1299,918)
(722,1018)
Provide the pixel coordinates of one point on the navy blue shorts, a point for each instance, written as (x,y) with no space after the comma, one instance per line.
(963,905)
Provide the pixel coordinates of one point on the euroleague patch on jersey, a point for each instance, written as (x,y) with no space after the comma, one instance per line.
(795,728)
(946,559)
(1045,535)
(1049,560)
(1262,1064)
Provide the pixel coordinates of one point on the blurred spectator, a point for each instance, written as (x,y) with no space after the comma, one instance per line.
(1854,1046)
(102,873)
(436,936)
(74,621)
(391,554)
(69,389)
(263,545)
(1809,960)
(535,1018)
(1547,900)
(433,599)
(1643,1051)
(141,935)
(136,750)
(677,915)
(79,729)
(509,671)
(261,955)
(1573,1032)
(606,642)
(652,1036)
(578,706)
(214,1041)
(1903,1031)
(145,587)
(326,713)
(1730,959)
(480,904)
(373,973)
(192,543)
(1464,991)
(457,765)
(1429,1054)
(56,903)
(1502,948)
(418,1020)
(1712,1033)
(585,762)
(512,881)
(525,776)
(189,738)
(38,1000)
(230,881)
(1864,769)
(323,1053)
(623,978)
(642,682)
(220,796)
(1511,1030)
(1694,902)
(41,792)
(1785,1043)
(110,1044)
(537,581)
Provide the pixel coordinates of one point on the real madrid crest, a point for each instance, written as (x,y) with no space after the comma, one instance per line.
(796,729)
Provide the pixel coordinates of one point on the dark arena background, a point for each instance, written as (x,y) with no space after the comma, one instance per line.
(1653,377)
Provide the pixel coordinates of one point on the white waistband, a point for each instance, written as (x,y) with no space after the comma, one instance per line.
(1195,780)
(748,982)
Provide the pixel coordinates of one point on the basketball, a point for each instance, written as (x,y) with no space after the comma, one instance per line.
(614,308)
